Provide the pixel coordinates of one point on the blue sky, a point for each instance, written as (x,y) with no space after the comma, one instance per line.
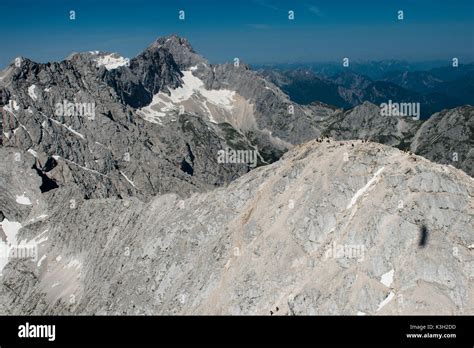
(257,31)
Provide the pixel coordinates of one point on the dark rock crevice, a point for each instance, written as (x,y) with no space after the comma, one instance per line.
(47,184)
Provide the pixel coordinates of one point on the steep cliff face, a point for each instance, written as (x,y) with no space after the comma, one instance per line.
(329,229)
(273,113)
(150,72)
(448,138)
(75,115)
(366,122)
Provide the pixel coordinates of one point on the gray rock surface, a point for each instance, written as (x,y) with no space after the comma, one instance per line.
(151,71)
(448,138)
(270,239)
(366,122)
(270,105)
(115,153)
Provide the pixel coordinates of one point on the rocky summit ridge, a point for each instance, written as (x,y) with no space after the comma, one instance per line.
(332,228)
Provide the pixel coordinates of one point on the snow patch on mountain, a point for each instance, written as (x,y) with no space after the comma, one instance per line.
(112,61)
(41,261)
(364,189)
(126,178)
(69,128)
(10,228)
(32,93)
(385,301)
(194,97)
(33,152)
(23,200)
(387,278)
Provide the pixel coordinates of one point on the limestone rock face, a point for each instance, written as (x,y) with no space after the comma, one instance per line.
(331,228)
(366,122)
(448,137)
(151,71)
(272,112)
(74,118)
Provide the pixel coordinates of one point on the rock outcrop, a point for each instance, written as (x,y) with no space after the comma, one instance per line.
(68,114)
(448,138)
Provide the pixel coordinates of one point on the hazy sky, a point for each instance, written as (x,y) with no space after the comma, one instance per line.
(256,31)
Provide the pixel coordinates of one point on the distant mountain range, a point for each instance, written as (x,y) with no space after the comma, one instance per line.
(375,70)
(435,89)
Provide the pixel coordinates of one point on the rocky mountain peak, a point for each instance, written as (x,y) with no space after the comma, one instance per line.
(181,50)
(175,41)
